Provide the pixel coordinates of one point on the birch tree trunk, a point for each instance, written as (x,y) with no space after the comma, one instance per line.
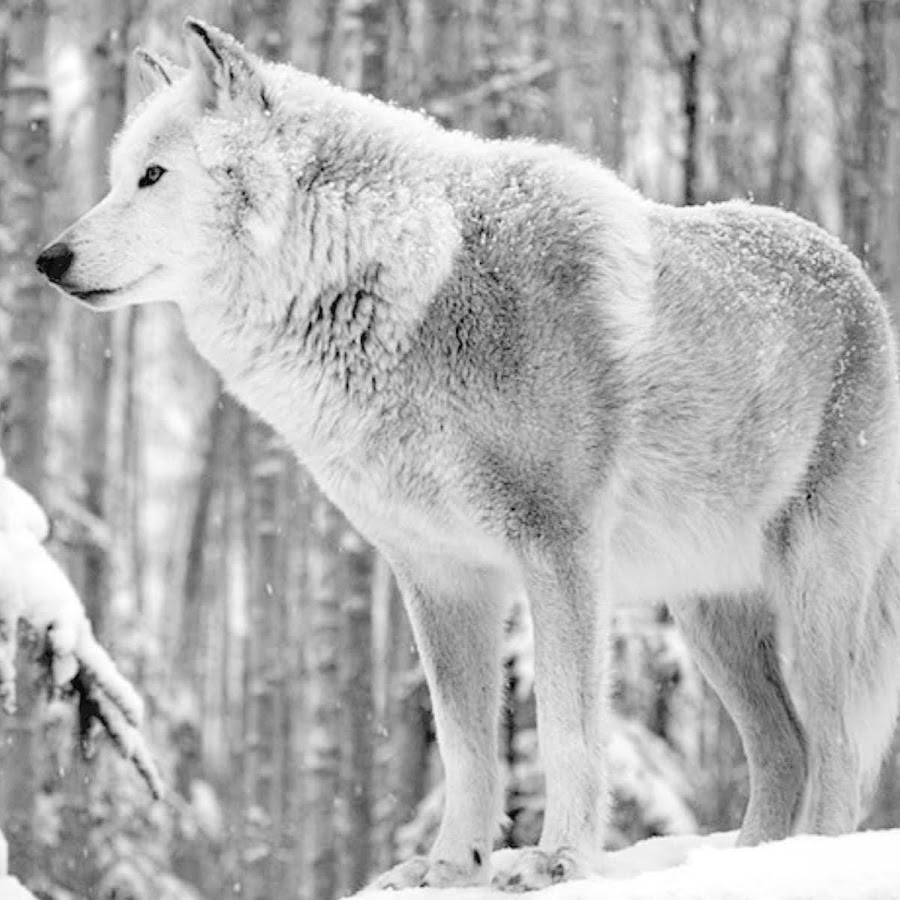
(186,660)
(358,709)
(131,459)
(25,153)
(323,751)
(685,54)
(783,184)
(891,193)
(691,89)
(865,225)
(267,587)
(108,25)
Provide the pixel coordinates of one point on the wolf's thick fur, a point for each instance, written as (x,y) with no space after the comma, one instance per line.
(510,370)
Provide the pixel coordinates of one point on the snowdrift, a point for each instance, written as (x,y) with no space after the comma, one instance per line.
(863,866)
(10,888)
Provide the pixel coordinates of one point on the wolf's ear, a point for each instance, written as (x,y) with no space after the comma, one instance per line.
(154,71)
(223,69)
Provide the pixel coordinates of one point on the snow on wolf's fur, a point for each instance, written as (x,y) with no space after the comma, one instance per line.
(513,372)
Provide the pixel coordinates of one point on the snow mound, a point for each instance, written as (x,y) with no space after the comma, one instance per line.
(11,889)
(863,866)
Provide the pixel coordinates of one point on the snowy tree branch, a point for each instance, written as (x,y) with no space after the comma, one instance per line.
(35,590)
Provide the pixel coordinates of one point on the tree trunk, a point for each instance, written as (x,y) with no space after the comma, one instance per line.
(364,46)
(109,22)
(781,190)
(25,150)
(266,592)
(868,179)
(186,660)
(323,751)
(295,683)
(618,25)
(130,463)
(358,708)
(691,89)
(890,196)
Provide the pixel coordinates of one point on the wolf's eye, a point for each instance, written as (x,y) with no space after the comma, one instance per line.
(151,176)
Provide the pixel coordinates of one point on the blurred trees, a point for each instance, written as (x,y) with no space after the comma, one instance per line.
(285,697)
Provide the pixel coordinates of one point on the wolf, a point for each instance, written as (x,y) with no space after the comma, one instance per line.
(512,372)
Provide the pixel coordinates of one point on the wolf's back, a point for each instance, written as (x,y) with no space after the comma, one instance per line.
(777,319)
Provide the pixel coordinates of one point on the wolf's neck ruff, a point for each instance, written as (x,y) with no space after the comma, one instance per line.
(316,373)
(351,335)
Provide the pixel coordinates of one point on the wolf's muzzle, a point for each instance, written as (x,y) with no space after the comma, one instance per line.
(54,262)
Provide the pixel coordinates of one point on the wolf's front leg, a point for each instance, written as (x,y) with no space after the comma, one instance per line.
(457,617)
(571,623)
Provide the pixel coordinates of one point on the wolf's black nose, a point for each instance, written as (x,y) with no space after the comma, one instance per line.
(54,262)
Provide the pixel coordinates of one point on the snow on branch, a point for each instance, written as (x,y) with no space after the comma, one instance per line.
(35,590)
(10,888)
(863,866)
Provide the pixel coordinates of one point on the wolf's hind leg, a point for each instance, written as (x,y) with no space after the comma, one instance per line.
(734,644)
(822,600)
(847,647)
(876,686)
(457,618)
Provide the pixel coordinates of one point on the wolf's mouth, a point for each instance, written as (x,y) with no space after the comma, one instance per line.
(99,293)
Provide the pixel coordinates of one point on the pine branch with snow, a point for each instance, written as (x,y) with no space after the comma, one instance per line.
(34,589)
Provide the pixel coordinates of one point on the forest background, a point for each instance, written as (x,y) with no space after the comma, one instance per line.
(286,705)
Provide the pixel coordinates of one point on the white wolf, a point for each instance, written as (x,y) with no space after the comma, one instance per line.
(511,371)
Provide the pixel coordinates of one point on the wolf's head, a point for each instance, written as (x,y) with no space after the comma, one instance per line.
(242,183)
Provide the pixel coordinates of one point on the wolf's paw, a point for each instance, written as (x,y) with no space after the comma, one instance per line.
(422,872)
(532,869)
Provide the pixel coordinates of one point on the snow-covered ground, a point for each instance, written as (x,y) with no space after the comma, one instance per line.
(864,866)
